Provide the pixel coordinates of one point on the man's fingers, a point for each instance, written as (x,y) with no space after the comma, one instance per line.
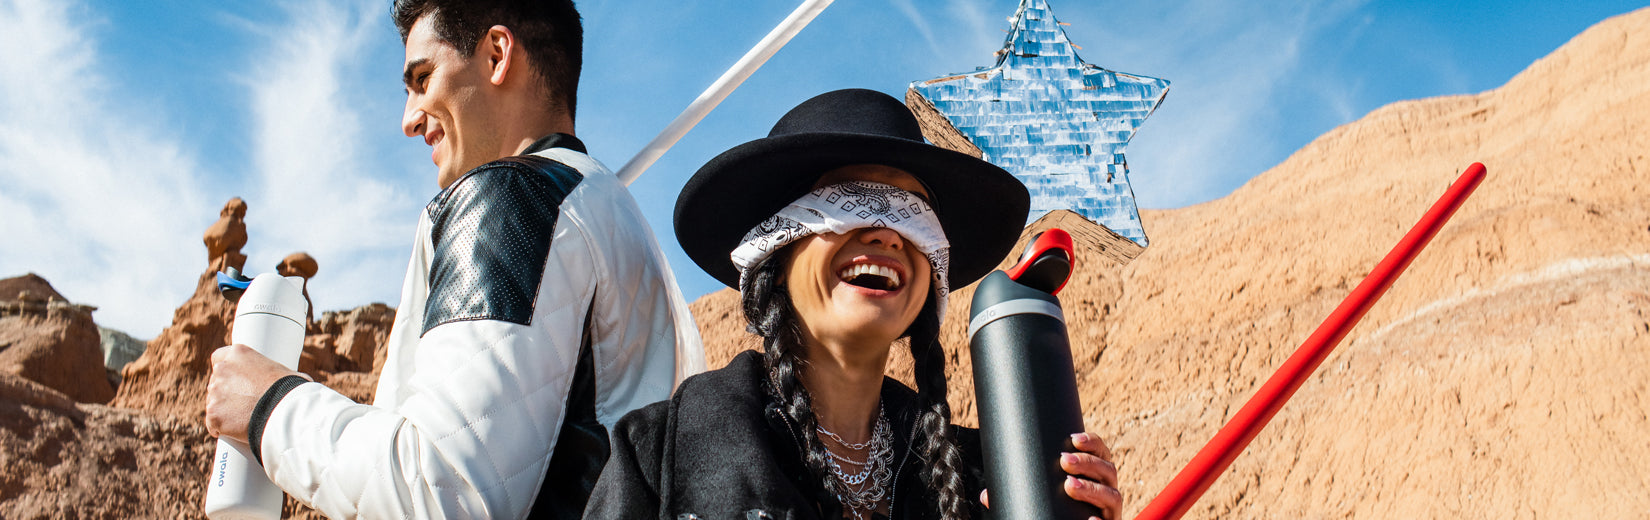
(223,353)
(212,422)
(1087,465)
(1107,498)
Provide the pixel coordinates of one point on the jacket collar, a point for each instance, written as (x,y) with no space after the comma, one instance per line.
(555,141)
(899,402)
(729,449)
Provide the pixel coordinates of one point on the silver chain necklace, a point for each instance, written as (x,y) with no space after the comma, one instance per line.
(853,446)
(861,491)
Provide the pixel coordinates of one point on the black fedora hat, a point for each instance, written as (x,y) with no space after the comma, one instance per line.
(981,207)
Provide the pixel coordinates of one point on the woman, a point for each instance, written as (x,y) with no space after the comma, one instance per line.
(843,231)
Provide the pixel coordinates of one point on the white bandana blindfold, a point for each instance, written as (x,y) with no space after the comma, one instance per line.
(844,207)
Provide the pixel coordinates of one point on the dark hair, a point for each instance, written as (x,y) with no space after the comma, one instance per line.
(768,311)
(549,30)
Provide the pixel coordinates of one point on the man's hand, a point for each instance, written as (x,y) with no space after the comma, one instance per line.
(240,376)
(1092,476)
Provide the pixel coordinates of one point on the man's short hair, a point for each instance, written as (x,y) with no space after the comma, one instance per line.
(549,30)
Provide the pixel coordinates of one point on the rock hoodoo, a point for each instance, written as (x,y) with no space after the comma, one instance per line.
(226,237)
(170,377)
(302,265)
(298,264)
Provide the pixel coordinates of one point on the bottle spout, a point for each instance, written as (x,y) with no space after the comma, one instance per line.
(232,284)
(1047,262)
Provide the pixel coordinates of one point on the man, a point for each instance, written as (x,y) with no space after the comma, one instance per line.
(536,311)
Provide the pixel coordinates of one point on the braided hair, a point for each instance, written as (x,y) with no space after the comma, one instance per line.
(769,313)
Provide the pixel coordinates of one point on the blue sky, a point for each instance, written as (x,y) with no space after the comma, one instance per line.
(124,126)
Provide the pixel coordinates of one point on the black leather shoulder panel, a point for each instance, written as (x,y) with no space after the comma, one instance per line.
(491,230)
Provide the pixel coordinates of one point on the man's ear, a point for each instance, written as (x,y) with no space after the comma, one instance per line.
(499,46)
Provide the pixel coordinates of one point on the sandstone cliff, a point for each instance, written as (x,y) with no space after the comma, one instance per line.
(47,339)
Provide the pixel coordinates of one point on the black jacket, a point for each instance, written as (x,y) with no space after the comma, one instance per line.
(721,449)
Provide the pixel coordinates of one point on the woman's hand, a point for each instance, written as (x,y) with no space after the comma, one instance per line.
(1092,476)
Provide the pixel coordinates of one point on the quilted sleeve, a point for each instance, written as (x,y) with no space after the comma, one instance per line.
(479,415)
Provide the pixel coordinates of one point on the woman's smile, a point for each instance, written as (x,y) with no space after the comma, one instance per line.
(873,275)
(867,284)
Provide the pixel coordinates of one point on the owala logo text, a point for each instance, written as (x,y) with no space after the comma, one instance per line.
(223,467)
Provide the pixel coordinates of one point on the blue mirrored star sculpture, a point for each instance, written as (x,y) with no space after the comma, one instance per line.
(1055,122)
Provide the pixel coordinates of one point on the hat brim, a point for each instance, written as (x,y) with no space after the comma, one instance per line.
(981,207)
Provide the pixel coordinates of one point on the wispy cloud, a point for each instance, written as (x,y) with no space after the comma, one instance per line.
(98,197)
(108,198)
(324,189)
(982,27)
(963,31)
(94,195)
(1233,68)
(919,21)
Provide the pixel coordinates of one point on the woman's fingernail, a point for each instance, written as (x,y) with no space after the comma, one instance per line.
(1079,438)
(1074,481)
(1068,458)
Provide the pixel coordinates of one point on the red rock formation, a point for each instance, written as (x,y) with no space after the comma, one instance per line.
(146,455)
(298,264)
(346,350)
(227,236)
(67,460)
(171,375)
(29,286)
(302,265)
(48,340)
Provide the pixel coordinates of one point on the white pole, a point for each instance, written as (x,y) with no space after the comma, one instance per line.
(721,88)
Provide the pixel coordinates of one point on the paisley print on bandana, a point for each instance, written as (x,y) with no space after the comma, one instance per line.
(840,208)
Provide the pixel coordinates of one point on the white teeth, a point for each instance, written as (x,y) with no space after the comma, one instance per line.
(848,273)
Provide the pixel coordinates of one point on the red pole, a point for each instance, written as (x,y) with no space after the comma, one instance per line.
(1215,457)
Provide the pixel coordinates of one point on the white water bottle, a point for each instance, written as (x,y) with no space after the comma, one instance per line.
(270,319)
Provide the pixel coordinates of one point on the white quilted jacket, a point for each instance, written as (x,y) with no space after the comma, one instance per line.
(459,423)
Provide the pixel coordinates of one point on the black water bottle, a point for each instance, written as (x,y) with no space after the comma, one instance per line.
(1025,383)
